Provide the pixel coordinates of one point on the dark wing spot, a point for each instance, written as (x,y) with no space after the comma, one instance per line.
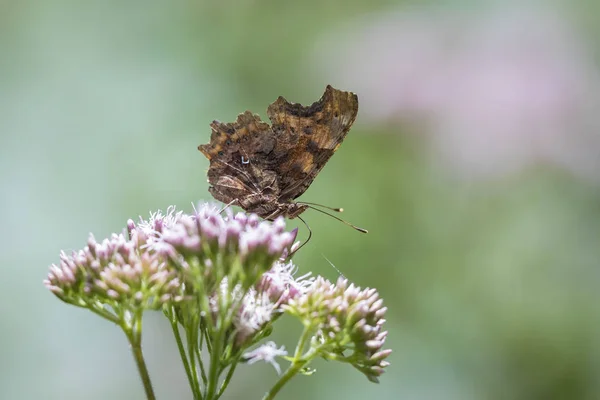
(228,142)
(221,153)
(298,110)
(312,146)
(297,167)
(308,130)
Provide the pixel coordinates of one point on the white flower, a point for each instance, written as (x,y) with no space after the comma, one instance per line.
(256,311)
(155,227)
(159,220)
(267,353)
(281,286)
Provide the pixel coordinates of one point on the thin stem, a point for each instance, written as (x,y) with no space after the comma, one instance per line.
(202,369)
(207,341)
(302,342)
(227,378)
(193,380)
(289,374)
(201,328)
(215,360)
(141,364)
(105,314)
(297,364)
(191,344)
(222,322)
(134,335)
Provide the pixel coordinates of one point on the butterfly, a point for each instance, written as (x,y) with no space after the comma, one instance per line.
(263,168)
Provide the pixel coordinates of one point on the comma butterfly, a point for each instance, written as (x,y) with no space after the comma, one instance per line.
(263,168)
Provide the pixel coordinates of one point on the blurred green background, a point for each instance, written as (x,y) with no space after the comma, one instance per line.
(474,163)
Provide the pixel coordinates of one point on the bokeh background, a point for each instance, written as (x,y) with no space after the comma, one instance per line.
(474,163)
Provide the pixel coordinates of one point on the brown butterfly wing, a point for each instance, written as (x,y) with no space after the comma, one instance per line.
(239,158)
(251,160)
(307,137)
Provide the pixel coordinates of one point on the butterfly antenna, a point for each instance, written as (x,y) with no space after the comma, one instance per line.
(339,219)
(321,205)
(307,239)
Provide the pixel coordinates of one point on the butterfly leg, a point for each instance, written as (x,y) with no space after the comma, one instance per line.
(307,239)
(273,215)
(228,205)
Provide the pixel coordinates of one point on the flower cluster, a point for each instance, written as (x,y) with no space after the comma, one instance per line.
(117,272)
(346,318)
(206,245)
(223,281)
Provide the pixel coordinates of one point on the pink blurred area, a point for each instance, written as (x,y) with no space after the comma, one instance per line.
(495,91)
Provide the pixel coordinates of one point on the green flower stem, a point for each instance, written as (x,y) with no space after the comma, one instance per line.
(141,364)
(215,361)
(202,369)
(227,378)
(191,344)
(207,341)
(193,381)
(289,374)
(298,363)
(213,373)
(105,314)
(134,335)
(231,310)
(223,321)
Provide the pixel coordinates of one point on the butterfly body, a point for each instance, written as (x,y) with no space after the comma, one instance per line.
(263,168)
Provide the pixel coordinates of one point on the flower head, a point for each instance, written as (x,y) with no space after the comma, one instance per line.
(208,247)
(280,284)
(116,271)
(346,319)
(255,312)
